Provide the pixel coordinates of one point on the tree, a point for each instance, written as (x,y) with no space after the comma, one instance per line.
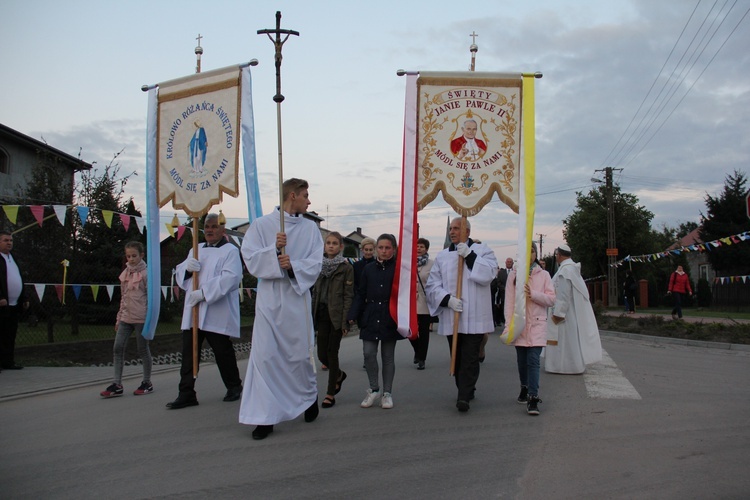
(94,251)
(726,215)
(585,230)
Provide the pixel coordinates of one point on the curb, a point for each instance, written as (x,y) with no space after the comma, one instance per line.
(675,341)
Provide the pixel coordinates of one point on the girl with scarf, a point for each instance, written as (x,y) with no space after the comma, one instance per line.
(332,298)
(130,318)
(540,294)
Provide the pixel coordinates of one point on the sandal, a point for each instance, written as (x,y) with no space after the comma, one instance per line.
(328,402)
(340,382)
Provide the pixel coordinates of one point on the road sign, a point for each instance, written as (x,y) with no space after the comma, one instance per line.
(612,252)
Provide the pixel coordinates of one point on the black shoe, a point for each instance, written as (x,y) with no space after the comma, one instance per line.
(233,394)
(262,431)
(13,367)
(531,406)
(416,360)
(181,402)
(311,413)
(420,365)
(523,397)
(463,406)
(342,377)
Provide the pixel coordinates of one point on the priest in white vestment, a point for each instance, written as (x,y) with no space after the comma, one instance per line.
(280,383)
(474,306)
(573,323)
(219,270)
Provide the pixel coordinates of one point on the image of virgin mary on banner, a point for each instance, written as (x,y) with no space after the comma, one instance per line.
(469,139)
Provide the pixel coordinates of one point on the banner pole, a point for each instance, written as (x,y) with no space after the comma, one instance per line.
(459,287)
(195,307)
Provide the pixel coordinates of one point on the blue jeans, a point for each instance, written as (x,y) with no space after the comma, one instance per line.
(528,367)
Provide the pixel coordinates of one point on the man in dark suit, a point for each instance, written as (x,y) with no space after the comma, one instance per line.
(499,299)
(12,302)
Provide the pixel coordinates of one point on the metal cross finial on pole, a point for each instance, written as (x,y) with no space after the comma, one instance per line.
(278,43)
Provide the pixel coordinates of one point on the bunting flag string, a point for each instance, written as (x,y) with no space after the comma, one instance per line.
(170,293)
(728,280)
(697,247)
(11,211)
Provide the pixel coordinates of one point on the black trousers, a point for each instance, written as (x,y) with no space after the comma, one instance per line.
(225,360)
(423,341)
(467,363)
(8,329)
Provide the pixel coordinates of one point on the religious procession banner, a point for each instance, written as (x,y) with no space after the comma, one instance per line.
(468,135)
(199,139)
(192,151)
(469,139)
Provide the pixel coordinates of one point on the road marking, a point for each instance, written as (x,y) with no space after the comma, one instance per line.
(605,381)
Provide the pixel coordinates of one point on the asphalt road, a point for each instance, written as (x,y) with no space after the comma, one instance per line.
(653,421)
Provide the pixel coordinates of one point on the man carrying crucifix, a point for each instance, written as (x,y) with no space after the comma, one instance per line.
(280,383)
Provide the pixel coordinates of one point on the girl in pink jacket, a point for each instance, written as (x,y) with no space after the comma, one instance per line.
(130,318)
(540,294)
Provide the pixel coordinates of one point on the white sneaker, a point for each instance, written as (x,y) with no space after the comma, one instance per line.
(387,402)
(370,398)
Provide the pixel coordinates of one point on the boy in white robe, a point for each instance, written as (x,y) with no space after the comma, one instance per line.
(280,383)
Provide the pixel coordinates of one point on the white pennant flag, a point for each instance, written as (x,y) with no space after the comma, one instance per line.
(39,291)
(60,211)
(164,291)
(110,291)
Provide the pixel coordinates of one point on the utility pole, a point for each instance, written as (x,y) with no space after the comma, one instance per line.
(541,240)
(611,240)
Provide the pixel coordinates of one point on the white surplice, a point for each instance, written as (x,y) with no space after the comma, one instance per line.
(280,383)
(475,290)
(578,342)
(219,278)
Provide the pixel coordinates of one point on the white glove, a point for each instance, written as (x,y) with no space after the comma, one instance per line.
(192,265)
(194,298)
(463,250)
(456,304)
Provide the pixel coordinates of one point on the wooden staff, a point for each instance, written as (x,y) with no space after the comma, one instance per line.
(278,44)
(459,286)
(196,315)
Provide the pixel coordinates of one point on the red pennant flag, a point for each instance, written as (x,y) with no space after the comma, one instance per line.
(38,211)
(125,219)
(180,232)
(59,290)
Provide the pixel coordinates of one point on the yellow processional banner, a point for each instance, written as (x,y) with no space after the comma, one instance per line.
(198,139)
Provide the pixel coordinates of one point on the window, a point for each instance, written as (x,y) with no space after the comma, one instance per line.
(703,271)
(4,162)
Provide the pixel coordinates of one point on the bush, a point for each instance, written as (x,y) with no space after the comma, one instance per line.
(704,293)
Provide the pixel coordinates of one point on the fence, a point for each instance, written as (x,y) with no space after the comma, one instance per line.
(733,296)
(77,312)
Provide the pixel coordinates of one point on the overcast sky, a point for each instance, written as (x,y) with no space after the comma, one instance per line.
(659,88)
